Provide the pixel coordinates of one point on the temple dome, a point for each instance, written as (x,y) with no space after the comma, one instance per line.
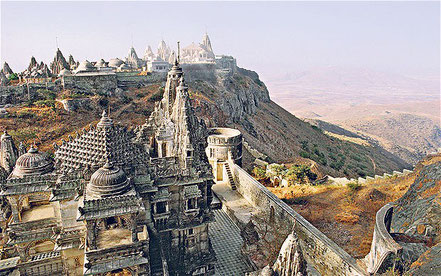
(32,163)
(115,62)
(108,180)
(100,63)
(85,66)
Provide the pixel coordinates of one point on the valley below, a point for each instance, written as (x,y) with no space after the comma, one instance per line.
(400,114)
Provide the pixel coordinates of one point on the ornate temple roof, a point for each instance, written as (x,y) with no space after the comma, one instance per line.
(93,148)
(108,180)
(85,66)
(100,63)
(59,63)
(115,62)
(32,163)
(110,207)
(6,69)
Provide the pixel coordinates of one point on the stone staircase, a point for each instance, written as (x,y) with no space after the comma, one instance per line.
(230,177)
(155,256)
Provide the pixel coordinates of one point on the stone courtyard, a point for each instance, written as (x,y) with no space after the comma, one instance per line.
(227,242)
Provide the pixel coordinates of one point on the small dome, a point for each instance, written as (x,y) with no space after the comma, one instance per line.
(115,62)
(64,72)
(32,163)
(100,64)
(85,66)
(108,180)
(124,67)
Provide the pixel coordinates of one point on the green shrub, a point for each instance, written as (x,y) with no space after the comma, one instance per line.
(45,103)
(47,94)
(354,186)
(300,174)
(13,76)
(259,173)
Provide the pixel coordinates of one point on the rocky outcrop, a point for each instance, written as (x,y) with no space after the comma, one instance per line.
(242,94)
(428,263)
(418,212)
(237,92)
(75,104)
(416,222)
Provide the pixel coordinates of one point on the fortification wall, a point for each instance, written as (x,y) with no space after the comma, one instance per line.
(321,252)
(200,71)
(100,84)
(383,245)
(19,93)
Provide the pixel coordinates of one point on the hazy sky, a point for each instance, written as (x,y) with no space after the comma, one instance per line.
(269,37)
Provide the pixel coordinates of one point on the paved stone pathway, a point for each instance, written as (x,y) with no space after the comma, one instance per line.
(226,240)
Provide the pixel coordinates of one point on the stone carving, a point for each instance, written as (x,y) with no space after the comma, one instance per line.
(115,198)
(59,63)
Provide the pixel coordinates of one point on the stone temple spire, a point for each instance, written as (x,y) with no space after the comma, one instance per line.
(6,69)
(172,83)
(105,120)
(290,260)
(59,63)
(207,43)
(8,152)
(32,64)
(3,79)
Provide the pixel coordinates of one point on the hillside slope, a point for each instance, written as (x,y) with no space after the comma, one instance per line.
(235,99)
(242,101)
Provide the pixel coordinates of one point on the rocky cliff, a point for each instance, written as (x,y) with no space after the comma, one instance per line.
(417,220)
(238,98)
(232,97)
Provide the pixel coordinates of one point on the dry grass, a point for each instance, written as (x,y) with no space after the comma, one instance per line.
(45,126)
(345,215)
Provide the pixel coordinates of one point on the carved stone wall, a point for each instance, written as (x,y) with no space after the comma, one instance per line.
(318,250)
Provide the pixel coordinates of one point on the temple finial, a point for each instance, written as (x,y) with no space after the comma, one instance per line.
(179,53)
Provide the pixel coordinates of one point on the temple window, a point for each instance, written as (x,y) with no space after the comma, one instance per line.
(192,203)
(190,232)
(161,207)
(111,222)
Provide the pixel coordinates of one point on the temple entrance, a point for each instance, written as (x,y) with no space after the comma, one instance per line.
(164,150)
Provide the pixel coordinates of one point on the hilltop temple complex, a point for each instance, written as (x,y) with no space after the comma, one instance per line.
(170,196)
(113,200)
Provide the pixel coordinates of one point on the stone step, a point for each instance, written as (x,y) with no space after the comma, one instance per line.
(230,177)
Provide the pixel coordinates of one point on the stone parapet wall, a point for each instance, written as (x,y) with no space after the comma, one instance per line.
(363,180)
(383,245)
(200,71)
(319,251)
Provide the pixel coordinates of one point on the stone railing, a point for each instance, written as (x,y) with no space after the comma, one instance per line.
(319,251)
(361,180)
(383,244)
